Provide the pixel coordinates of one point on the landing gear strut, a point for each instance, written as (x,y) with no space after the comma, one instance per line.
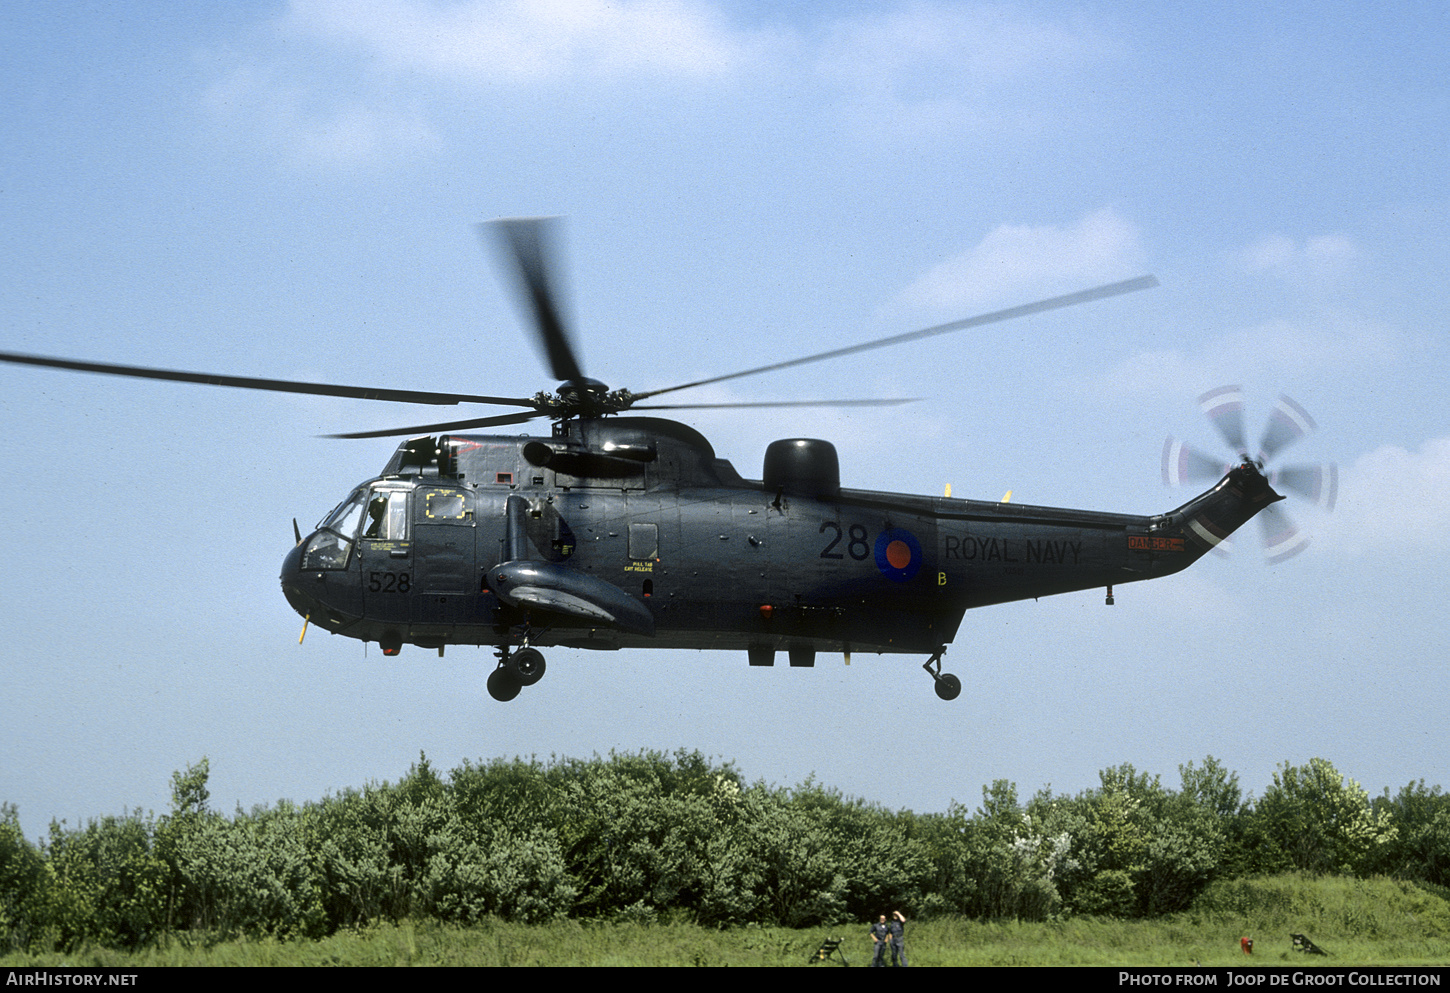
(948,687)
(516,670)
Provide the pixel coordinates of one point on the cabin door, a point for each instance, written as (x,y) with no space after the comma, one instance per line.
(445,576)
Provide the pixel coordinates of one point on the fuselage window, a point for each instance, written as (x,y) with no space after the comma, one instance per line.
(444,505)
(644,542)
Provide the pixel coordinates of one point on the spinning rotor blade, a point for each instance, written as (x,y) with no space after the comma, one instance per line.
(1055,303)
(1225,408)
(1282,538)
(528,247)
(1182,464)
(248,383)
(529,252)
(1287,424)
(1319,483)
(480,422)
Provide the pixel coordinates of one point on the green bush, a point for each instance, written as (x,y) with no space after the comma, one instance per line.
(1314,820)
(654,838)
(24,882)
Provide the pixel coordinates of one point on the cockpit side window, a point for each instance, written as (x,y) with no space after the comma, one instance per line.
(387,516)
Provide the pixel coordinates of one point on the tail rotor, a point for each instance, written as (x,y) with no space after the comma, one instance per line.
(1288,423)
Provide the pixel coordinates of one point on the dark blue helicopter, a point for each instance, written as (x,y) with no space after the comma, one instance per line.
(616,531)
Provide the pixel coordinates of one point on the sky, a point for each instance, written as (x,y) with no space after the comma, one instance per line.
(290,190)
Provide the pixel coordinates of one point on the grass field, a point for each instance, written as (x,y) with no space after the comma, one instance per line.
(1359,922)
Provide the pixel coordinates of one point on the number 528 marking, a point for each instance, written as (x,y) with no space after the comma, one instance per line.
(389,582)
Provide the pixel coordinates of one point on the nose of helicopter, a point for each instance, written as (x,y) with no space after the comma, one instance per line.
(318,586)
(292,587)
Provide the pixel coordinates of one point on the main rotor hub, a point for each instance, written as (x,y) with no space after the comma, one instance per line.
(584,397)
(582,387)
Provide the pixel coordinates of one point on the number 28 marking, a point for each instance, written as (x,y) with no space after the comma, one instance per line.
(857,547)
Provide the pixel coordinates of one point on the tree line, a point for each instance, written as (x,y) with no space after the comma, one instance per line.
(651,836)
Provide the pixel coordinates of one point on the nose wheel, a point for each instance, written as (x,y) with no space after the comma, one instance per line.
(948,687)
(516,670)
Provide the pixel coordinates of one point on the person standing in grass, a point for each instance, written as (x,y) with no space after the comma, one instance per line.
(880,935)
(897,930)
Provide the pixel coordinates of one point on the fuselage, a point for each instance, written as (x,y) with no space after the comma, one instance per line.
(629,532)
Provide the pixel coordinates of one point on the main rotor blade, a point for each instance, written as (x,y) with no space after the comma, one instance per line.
(780,403)
(528,247)
(248,383)
(480,422)
(1011,313)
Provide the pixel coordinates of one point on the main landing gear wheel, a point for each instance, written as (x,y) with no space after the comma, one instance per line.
(503,685)
(516,670)
(526,665)
(948,687)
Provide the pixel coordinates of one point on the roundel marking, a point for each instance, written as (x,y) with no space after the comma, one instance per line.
(898,554)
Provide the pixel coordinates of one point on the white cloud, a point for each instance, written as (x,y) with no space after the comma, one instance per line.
(1160,373)
(908,49)
(1311,261)
(951,44)
(1020,261)
(1324,342)
(350,83)
(1267,357)
(922,67)
(529,39)
(1394,500)
(390,68)
(312,129)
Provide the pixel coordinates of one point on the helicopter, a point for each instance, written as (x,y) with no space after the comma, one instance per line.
(617,531)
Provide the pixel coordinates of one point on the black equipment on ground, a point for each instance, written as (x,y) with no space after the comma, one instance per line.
(1303,944)
(829,947)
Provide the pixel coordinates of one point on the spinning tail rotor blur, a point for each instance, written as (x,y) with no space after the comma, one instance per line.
(1288,423)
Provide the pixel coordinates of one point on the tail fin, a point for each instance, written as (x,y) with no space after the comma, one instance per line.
(1208,519)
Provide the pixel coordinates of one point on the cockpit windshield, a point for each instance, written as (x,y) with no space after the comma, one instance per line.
(376,514)
(331,546)
(344,519)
